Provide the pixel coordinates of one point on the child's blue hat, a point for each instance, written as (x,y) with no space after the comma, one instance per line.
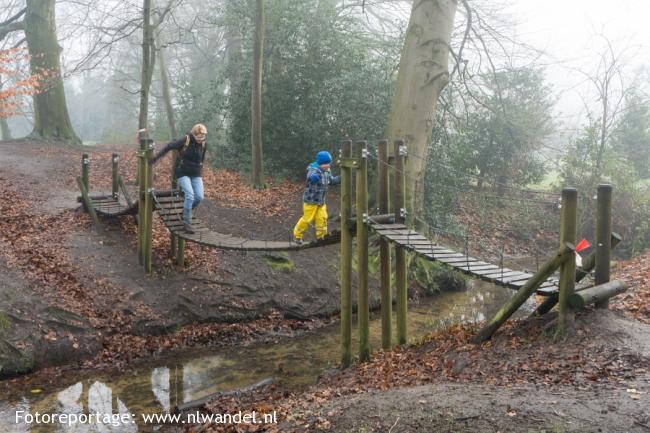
(323,157)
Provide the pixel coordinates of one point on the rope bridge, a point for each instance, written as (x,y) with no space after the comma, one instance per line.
(168,204)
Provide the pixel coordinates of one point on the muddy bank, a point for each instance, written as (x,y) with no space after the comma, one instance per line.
(34,334)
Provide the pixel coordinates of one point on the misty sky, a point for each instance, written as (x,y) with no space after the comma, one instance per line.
(566,30)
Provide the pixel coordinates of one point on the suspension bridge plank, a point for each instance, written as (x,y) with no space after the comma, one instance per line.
(523,276)
(443,256)
(429,253)
(169,199)
(378,227)
(479,266)
(169,205)
(487,272)
(500,276)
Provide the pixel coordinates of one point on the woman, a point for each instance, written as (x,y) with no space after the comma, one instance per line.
(189,166)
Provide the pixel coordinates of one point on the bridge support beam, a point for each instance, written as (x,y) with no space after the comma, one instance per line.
(346,257)
(116,175)
(148,206)
(568,230)
(141,193)
(384,247)
(603,238)
(401,295)
(363,309)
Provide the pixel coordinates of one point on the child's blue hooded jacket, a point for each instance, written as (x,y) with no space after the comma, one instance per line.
(315,191)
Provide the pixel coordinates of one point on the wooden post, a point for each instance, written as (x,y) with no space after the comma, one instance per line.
(148,206)
(525,291)
(85,163)
(588,264)
(88,204)
(363,309)
(401,295)
(141,193)
(568,268)
(180,252)
(603,238)
(346,257)
(384,247)
(125,192)
(116,173)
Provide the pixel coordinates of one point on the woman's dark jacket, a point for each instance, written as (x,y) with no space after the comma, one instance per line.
(190,158)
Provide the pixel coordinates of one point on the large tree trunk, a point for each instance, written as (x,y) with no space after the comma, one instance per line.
(256,105)
(51,119)
(148,60)
(423,73)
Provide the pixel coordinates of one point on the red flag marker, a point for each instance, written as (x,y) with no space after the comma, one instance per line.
(582,245)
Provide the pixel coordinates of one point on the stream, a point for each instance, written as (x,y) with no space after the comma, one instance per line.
(293,362)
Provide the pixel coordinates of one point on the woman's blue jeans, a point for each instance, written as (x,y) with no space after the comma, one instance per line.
(193,190)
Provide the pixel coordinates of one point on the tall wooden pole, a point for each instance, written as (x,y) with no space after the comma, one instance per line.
(384,247)
(363,310)
(346,257)
(399,152)
(141,193)
(603,238)
(148,206)
(116,174)
(568,268)
(85,163)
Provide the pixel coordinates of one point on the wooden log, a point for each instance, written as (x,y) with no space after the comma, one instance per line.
(516,301)
(89,204)
(384,245)
(346,258)
(603,238)
(596,294)
(568,230)
(399,184)
(363,309)
(195,404)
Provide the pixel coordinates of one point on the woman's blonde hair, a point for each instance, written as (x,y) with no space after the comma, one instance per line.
(199,128)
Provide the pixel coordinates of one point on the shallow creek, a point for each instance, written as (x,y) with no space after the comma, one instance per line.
(293,362)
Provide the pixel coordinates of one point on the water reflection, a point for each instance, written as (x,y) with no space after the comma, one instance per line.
(293,362)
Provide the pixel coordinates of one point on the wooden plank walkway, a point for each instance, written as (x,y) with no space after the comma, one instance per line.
(170,209)
(111,207)
(413,241)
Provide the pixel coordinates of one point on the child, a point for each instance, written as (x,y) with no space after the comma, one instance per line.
(314,207)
